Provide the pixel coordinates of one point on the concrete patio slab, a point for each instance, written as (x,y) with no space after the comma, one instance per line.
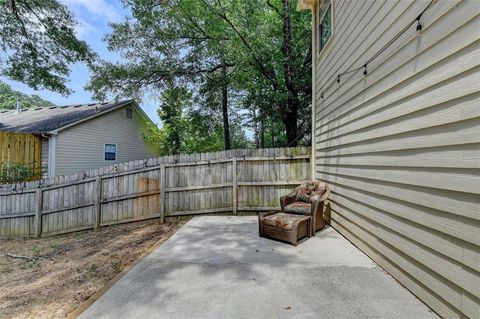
(218,267)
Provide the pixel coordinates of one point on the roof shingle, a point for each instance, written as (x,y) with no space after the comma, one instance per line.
(45,119)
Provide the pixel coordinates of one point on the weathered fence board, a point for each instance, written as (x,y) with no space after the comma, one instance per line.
(207,183)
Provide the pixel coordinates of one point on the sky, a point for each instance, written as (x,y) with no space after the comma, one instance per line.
(93,18)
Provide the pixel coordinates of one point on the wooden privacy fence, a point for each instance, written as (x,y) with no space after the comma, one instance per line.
(20,148)
(249,180)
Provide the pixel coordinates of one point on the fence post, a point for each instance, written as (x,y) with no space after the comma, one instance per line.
(38,212)
(98,202)
(234,188)
(161,184)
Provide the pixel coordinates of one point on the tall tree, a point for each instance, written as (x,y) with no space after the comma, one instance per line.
(173,100)
(38,43)
(266,46)
(213,94)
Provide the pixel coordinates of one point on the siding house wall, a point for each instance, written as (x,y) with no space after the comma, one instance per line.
(81,146)
(401,146)
(44,159)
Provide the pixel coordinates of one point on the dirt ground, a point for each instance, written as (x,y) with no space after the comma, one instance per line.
(68,269)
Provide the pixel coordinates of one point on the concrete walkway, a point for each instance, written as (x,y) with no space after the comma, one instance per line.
(218,267)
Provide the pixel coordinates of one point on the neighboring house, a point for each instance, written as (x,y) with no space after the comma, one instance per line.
(399,139)
(80,137)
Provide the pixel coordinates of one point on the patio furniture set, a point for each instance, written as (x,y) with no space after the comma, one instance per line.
(301,214)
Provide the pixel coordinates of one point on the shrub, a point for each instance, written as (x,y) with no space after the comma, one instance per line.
(20,172)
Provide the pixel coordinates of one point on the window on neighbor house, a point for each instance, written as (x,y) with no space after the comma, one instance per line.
(325,24)
(110,152)
(129,113)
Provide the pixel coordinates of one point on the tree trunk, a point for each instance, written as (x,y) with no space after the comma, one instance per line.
(255,128)
(262,134)
(226,125)
(290,122)
(290,116)
(273,133)
(177,143)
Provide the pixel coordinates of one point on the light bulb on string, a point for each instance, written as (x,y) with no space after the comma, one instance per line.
(419,28)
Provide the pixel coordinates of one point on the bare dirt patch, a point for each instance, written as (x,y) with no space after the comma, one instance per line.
(71,268)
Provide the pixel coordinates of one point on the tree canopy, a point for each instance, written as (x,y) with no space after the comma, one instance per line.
(38,43)
(9,97)
(246,59)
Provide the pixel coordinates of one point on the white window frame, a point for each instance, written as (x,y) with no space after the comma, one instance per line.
(317,28)
(105,150)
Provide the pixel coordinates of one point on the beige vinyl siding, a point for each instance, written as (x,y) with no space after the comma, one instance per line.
(401,146)
(81,147)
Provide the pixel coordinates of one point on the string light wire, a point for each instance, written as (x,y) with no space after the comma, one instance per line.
(379,52)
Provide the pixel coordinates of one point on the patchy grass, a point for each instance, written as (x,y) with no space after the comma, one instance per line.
(71,268)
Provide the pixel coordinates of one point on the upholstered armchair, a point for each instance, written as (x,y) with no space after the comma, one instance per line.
(307,199)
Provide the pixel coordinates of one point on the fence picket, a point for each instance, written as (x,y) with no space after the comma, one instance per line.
(38,212)
(234,186)
(98,202)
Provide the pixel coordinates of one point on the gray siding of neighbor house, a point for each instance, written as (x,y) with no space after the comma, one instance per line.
(401,146)
(81,147)
(44,156)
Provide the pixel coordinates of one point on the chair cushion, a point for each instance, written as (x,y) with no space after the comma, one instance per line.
(319,189)
(300,208)
(303,195)
(310,191)
(280,220)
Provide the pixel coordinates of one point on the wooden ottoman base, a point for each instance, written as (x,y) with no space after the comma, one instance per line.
(301,227)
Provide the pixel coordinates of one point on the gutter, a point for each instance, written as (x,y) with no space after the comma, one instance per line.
(313,156)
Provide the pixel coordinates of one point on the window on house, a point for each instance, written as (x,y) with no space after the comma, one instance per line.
(129,113)
(110,152)
(325,25)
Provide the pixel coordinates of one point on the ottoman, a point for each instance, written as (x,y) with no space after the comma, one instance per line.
(283,226)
